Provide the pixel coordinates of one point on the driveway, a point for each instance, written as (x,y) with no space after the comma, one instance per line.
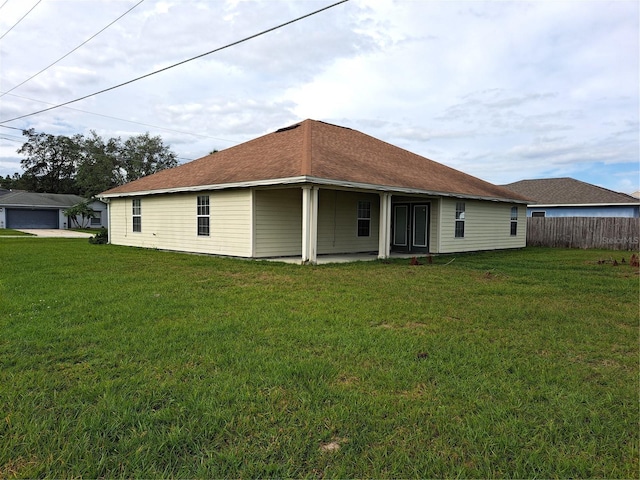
(57,233)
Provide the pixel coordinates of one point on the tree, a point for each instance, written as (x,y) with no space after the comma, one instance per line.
(81,210)
(87,166)
(18,182)
(51,161)
(144,155)
(99,169)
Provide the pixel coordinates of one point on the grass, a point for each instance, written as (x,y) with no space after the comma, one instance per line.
(85,230)
(123,362)
(11,232)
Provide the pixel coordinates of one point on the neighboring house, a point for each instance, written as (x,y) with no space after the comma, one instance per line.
(567,197)
(20,209)
(310,189)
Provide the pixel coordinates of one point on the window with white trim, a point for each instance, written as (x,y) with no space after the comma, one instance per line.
(364,219)
(460,218)
(514,221)
(203,215)
(136,212)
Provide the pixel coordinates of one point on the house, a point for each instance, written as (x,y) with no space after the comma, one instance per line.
(310,189)
(21,209)
(567,197)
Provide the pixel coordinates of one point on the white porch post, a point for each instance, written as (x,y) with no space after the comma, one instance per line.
(309,224)
(384,229)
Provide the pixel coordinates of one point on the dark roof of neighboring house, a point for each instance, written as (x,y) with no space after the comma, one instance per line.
(567,191)
(30,199)
(317,150)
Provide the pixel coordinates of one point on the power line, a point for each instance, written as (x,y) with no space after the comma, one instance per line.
(5,2)
(119,119)
(23,17)
(180,63)
(13,139)
(66,55)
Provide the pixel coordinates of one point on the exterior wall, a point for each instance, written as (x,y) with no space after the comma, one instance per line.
(609,211)
(278,222)
(169,222)
(338,222)
(487,226)
(101,208)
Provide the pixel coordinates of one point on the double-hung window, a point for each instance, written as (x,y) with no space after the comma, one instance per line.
(136,212)
(460,217)
(514,221)
(364,219)
(203,215)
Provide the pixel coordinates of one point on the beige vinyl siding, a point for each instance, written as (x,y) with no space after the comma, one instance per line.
(278,222)
(338,222)
(487,226)
(169,223)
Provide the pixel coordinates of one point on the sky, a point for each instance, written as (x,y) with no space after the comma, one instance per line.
(502,90)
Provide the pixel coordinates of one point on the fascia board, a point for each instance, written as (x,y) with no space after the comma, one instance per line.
(406,190)
(32,206)
(312,180)
(563,205)
(218,186)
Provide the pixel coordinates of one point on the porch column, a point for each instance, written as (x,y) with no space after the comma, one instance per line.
(309,224)
(384,230)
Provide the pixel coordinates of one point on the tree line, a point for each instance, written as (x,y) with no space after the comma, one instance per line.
(86,165)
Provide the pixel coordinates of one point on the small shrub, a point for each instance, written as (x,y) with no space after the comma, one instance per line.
(100,238)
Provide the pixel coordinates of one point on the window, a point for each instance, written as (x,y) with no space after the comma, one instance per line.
(137,215)
(460,220)
(97,218)
(364,219)
(539,214)
(514,221)
(203,215)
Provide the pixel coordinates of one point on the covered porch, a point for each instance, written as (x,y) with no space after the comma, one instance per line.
(399,225)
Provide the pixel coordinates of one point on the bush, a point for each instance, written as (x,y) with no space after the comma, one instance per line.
(101,237)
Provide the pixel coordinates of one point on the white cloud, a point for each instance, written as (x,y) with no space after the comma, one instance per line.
(503,90)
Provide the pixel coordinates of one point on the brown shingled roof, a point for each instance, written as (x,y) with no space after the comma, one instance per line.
(567,191)
(322,151)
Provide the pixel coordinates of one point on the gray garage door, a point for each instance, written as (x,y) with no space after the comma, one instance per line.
(25,218)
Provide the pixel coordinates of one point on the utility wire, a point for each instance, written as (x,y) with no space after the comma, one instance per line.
(23,17)
(117,118)
(12,138)
(5,2)
(180,63)
(66,55)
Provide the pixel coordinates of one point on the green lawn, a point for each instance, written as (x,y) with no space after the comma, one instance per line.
(123,362)
(4,232)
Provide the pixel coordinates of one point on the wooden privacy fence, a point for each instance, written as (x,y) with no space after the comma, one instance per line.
(584,232)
